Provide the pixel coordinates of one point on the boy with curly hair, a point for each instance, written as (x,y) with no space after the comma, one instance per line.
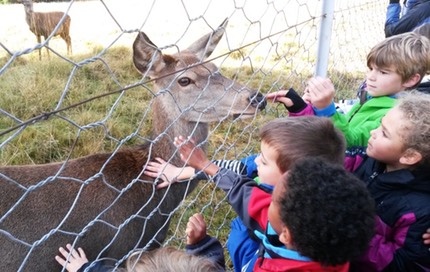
(293,139)
(252,201)
(318,218)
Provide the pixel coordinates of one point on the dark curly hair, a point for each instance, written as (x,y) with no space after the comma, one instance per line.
(328,211)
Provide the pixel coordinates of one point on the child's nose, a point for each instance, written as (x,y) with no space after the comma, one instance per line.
(370,75)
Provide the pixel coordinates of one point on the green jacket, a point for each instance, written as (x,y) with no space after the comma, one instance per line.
(360,120)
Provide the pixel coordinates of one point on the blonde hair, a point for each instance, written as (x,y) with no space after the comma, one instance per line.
(169,259)
(415,131)
(409,53)
(423,30)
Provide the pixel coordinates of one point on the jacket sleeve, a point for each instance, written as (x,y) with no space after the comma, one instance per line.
(413,18)
(300,107)
(210,248)
(367,118)
(403,249)
(355,135)
(236,166)
(250,201)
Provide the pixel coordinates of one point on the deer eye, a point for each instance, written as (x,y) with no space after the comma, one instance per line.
(184,81)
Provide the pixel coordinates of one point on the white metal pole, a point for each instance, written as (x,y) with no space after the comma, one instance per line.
(324,38)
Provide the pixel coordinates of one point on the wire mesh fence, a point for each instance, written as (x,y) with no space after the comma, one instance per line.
(66,107)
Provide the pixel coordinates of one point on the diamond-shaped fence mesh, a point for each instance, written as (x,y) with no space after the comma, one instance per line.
(67,119)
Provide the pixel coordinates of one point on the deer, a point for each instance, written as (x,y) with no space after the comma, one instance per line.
(44,23)
(103,202)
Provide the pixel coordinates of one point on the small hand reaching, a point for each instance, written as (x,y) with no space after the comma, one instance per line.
(190,153)
(321,92)
(194,155)
(196,229)
(279,97)
(167,172)
(76,259)
(426,237)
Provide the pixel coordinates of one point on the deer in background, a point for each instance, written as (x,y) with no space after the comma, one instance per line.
(44,23)
(103,202)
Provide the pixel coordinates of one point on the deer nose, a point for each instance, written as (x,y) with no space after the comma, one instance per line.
(258,101)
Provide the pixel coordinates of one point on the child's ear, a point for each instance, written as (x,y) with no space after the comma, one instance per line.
(285,237)
(410,157)
(412,81)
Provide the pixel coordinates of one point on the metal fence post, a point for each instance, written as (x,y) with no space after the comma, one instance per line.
(324,38)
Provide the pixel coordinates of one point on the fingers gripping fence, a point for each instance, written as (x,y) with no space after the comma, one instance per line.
(77,131)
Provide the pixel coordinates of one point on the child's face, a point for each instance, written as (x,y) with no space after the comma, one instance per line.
(274,215)
(383,81)
(268,170)
(385,143)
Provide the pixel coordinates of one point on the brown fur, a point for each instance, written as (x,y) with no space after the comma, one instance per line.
(44,23)
(111,208)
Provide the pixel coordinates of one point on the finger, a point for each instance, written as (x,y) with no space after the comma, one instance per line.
(191,222)
(197,223)
(60,260)
(151,172)
(160,160)
(72,251)
(82,253)
(312,87)
(63,252)
(177,141)
(274,97)
(162,185)
(199,218)
(154,165)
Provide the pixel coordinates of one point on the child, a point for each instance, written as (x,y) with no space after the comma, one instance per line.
(294,138)
(396,171)
(396,64)
(322,215)
(203,253)
(415,13)
(424,30)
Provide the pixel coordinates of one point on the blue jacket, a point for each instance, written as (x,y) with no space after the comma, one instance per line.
(403,209)
(418,13)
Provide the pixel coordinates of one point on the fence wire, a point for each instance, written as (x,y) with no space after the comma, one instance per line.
(65,107)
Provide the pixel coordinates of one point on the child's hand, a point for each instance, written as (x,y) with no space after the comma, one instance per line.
(196,229)
(279,97)
(190,153)
(321,92)
(76,259)
(426,237)
(167,172)
(307,96)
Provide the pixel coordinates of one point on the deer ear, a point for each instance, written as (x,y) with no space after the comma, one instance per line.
(146,55)
(204,46)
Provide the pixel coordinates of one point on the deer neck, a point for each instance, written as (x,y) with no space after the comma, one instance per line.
(29,14)
(166,126)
